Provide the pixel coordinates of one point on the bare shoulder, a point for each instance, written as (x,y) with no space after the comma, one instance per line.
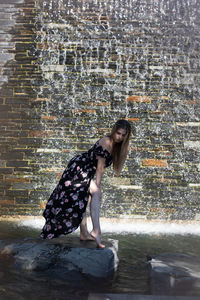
(105,142)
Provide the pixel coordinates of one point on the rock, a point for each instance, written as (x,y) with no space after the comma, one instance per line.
(69,253)
(175,274)
(135,297)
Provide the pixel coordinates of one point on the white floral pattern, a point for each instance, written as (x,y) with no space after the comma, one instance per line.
(66,205)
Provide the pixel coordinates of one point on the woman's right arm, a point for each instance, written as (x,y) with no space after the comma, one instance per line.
(100,170)
(105,143)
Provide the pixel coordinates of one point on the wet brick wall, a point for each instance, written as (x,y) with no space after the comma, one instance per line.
(70,69)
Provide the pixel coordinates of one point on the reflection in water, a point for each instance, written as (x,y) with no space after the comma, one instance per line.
(131,277)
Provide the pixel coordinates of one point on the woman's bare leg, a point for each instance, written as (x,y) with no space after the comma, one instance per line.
(84,234)
(95,212)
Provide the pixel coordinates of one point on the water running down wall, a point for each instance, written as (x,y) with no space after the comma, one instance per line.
(70,69)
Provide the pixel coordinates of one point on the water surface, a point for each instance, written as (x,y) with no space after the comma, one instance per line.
(131,277)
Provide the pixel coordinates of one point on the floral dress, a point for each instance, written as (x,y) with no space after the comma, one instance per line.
(67,204)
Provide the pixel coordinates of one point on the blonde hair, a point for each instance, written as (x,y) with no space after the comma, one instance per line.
(120,150)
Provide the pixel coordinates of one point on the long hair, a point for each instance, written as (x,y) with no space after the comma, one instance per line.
(120,150)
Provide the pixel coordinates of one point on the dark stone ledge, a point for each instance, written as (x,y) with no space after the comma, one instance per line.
(175,274)
(74,257)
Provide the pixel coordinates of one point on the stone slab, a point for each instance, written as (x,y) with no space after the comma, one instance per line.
(175,274)
(136,297)
(11,2)
(81,258)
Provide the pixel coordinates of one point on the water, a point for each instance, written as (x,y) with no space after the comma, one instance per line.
(93,55)
(131,277)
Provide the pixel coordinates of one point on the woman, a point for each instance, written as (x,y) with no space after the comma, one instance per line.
(66,207)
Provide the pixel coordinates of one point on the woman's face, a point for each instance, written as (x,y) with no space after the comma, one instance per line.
(119,135)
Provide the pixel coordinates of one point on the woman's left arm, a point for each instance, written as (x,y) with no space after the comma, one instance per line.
(100,170)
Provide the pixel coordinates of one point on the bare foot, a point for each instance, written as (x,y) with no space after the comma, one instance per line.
(86,237)
(97,238)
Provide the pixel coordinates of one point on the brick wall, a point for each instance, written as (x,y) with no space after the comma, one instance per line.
(70,69)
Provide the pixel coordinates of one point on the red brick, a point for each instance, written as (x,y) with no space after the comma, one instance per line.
(98,104)
(14,180)
(154,163)
(9,202)
(103,104)
(40,133)
(138,99)
(49,118)
(132,119)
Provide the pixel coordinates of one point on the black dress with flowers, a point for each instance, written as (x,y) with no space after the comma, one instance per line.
(66,205)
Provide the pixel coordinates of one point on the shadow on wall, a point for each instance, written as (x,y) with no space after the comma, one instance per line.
(20,112)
